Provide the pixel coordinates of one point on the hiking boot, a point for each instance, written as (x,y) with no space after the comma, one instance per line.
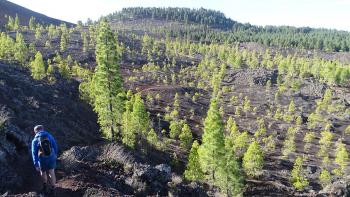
(52,191)
(45,189)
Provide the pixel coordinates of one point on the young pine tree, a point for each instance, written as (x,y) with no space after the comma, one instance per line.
(21,50)
(128,135)
(38,67)
(31,23)
(193,170)
(211,151)
(175,129)
(107,82)
(325,178)
(152,137)
(140,118)
(299,179)
(185,137)
(16,25)
(341,157)
(253,160)
(229,178)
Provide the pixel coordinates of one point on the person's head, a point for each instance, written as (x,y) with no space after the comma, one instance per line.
(38,128)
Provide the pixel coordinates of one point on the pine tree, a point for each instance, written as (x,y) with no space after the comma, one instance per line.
(341,157)
(128,135)
(212,149)
(193,170)
(175,129)
(31,23)
(325,178)
(229,178)
(85,42)
(253,160)
(16,25)
(107,82)
(299,179)
(152,137)
(246,105)
(140,117)
(38,33)
(240,143)
(10,24)
(63,43)
(232,128)
(291,107)
(186,137)
(38,67)
(21,50)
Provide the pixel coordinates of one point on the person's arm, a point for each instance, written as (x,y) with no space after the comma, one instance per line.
(35,155)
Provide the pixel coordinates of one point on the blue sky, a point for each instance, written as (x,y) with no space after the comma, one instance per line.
(314,13)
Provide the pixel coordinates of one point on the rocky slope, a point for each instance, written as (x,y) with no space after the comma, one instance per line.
(27,102)
(11,9)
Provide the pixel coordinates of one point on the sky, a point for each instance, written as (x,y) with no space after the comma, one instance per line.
(332,14)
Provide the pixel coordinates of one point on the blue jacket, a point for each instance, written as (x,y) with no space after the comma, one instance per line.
(35,147)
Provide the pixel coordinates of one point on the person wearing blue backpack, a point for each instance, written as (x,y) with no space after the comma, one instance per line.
(44,153)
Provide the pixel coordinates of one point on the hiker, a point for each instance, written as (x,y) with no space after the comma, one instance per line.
(44,153)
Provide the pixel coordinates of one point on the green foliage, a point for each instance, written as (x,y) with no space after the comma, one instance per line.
(193,170)
(246,104)
(341,157)
(21,50)
(175,128)
(299,121)
(128,132)
(289,142)
(347,130)
(185,137)
(229,176)
(278,114)
(38,33)
(38,67)
(240,143)
(325,178)
(152,137)
(85,42)
(63,41)
(200,19)
(308,138)
(13,24)
(291,107)
(31,23)
(325,143)
(212,149)
(6,47)
(107,83)
(298,178)
(253,160)
(140,118)
(261,128)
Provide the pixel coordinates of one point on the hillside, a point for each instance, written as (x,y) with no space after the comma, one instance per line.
(8,8)
(184,75)
(195,23)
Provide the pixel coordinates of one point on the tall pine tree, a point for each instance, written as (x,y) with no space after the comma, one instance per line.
(107,82)
(212,149)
